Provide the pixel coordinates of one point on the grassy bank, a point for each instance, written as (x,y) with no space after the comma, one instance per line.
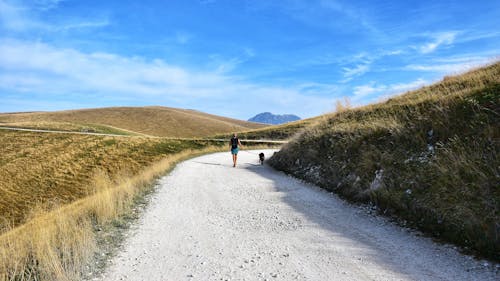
(431,157)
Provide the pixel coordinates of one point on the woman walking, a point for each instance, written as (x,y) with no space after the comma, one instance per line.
(235,144)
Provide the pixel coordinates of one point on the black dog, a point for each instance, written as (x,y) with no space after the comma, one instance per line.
(261,158)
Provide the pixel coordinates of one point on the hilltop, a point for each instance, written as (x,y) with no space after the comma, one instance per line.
(152,121)
(429,157)
(274,119)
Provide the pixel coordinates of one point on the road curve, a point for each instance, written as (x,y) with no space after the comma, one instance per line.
(210,221)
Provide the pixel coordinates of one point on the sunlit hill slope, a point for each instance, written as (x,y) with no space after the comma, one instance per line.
(154,121)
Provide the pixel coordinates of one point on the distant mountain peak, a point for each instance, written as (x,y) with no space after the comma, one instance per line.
(269,118)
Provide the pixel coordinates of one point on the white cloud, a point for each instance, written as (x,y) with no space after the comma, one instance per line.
(371,92)
(363,91)
(352,72)
(47,4)
(478,35)
(249,52)
(355,14)
(22,18)
(183,37)
(80,25)
(362,63)
(394,53)
(15,17)
(404,87)
(225,65)
(454,65)
(36,68)
(444,38)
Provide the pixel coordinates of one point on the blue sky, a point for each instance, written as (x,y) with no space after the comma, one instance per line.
(235,58)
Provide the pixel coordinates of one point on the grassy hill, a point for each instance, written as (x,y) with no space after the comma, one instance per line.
(42,171)
(430,157)
(153,121)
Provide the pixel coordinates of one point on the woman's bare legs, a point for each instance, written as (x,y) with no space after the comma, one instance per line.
(235,158)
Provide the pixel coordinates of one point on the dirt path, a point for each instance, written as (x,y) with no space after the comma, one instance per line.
(61,132)
(139,135)
(210,221)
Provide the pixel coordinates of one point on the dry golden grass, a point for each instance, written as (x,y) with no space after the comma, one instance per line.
(41,171)
(154,121)
(56,245)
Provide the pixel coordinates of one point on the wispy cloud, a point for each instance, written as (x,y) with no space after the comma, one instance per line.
(226,65)
(349,63)
(27,67)
(360,92)
(17,17)
(80,25)
(47,4)
(374,91)
(452,65)
(360,64)
(333,14)
(297,55)
(249,52)
(478,35)
(404,87)
(183,37)
(352,72)
(440,39)
(354,14)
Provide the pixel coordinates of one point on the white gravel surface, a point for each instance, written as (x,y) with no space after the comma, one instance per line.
(210,221)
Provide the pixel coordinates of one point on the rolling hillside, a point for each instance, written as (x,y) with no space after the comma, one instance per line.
(153,121)
(430,157)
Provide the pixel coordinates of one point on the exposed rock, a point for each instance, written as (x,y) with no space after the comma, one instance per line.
(377,181)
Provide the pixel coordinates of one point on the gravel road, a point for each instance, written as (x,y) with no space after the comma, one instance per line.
(210,221)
